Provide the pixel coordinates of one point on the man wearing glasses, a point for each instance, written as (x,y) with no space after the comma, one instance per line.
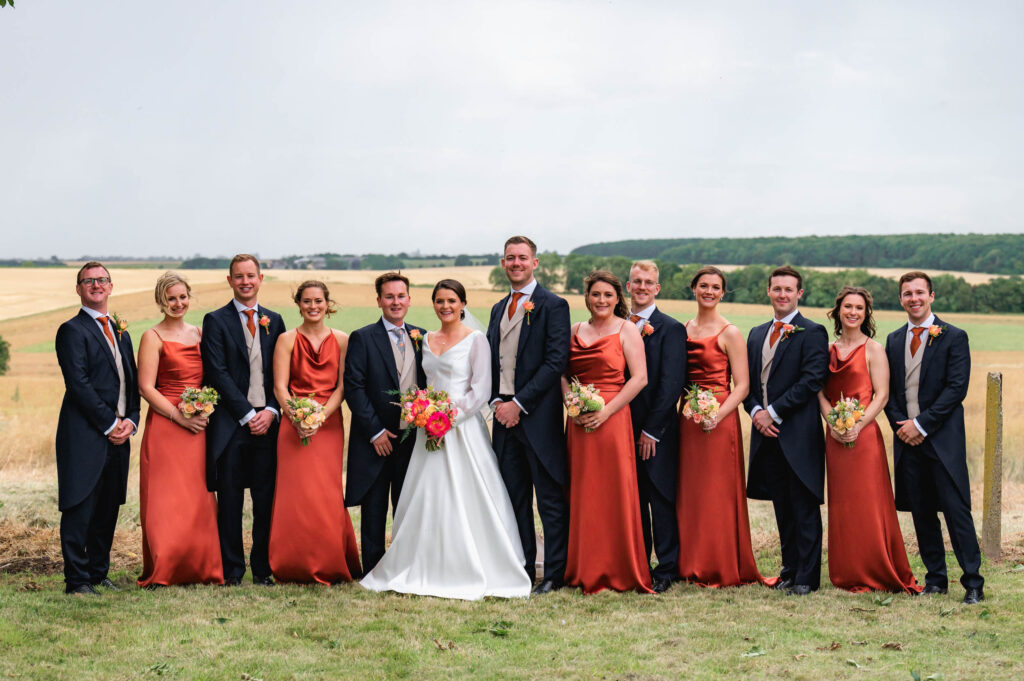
(99,413)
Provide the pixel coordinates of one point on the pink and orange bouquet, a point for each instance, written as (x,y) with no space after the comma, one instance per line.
(701,406)
(307,413)
(582,399)
(198,401)
(431,410)
(845,414)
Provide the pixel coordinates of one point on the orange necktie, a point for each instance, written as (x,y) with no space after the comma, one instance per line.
(106,329)
(516,295)
(249,324)
(775,334)
(635,318)
(915,342)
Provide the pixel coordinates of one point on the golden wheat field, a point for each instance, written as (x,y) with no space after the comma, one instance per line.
(38,300)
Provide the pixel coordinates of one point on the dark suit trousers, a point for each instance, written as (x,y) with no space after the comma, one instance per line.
(798,516)
(523,471)
(660,527)
(933,488)
(373,512)
(87,530)
(248,461)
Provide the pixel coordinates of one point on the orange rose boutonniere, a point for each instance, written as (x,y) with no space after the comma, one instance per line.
(265,323)
(934,331)
(788,330)
(120,324)
(647,329)
(415,336)
(527,309)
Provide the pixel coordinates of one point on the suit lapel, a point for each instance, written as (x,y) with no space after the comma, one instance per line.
(524,330)
(758,337)
(782,345)
(898,363)
(92,326)
(382,342)
(926,342)
(233,320)
(266,354)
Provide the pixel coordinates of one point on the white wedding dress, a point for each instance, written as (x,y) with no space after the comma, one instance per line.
(454,534)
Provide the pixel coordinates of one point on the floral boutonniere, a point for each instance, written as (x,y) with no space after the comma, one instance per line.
(647,329)
(265,323)
(527,309)
(415,336)
(934,331)
(120,324)
(788,330)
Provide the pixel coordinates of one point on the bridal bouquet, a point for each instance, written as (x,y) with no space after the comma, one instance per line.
(307,413)
(582,399)
(845,414)
(198,401)
(431,410)
(701,406)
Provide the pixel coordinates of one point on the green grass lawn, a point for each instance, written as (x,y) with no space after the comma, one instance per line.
(342,632)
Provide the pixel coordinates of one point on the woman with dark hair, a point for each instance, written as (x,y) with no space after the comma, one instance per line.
(711,497)
(454,534)
(311,534)
(865,544)
(606,543)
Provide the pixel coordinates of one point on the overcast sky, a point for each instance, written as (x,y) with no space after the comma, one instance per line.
(148,128)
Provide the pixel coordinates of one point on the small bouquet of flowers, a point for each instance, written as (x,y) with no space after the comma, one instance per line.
(306,413)
(701,406)
(582,399)
(845,414)
(431,410)
(198,401)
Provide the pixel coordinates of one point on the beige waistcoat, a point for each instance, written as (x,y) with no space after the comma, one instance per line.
(256,395)
(508,346)
(122,400)
(767,357)
(406,367)
(913,374)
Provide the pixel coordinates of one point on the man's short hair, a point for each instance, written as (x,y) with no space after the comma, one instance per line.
(243,257)
(88,266)
(646,266)
(388,277)
(911,276)
(520,240)
(786,271)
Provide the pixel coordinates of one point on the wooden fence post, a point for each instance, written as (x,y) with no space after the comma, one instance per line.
(991,528)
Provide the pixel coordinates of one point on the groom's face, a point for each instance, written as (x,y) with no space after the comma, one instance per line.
(394,301)
(519,263)
(784,293)
(245,279)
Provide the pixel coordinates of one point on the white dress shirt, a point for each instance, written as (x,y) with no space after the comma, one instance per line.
(910,335)
(244,318)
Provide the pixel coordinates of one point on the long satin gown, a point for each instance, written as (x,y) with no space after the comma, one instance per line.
(865,544)
(606,541)
(455,534)
(311,535)
(711,497)
(180,544)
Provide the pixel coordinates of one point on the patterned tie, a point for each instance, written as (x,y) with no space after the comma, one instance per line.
(106,330)
(516,295)
(775,334)
(635,318)
(915,342)
(250,324)
(400,340)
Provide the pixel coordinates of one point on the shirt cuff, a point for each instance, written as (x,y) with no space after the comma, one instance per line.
(757,408)
(276,413)
(644,432)
(135,426)
(112,426)
(495,402)
(775,417)
(248,417)
(384,430)
(520,406)
(919,428)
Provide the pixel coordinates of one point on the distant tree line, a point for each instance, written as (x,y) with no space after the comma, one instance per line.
(750,284)
(990,253)
(14,262)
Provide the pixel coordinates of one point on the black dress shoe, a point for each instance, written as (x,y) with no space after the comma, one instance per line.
(798,590)
(232,581)
(661,585)
(547,586)
(974,596)
(82,590)
(934,589)
(783,584)
(263,581)
(108,585)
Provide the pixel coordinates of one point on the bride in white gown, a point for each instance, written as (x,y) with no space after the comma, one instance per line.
(454,533)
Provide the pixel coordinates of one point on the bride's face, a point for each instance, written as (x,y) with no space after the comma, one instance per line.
(447,305)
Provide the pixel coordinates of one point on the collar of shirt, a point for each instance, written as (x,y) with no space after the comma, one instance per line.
(645,314)
(925,324)
(528,289)
(94,314)
(389,327)
(788,319)
(242,308)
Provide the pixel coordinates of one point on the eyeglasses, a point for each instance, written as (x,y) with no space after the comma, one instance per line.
(89,281)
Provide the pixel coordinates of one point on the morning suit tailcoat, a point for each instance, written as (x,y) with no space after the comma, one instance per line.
(370,376)
(945,373)
(798,372)
(541,358)
(226,368)
(89,408)
(654,409)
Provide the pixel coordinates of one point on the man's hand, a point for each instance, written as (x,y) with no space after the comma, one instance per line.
(762,420)
(383,443)
(121,432)
(507,414)
(260,424)
(646,446)
(909,433)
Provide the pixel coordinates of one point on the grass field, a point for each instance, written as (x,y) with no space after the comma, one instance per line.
(343,632)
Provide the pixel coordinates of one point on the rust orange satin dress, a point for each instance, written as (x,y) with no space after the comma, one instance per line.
(711,495)
(865,544)
(606,543)
(311,535)
(180,544)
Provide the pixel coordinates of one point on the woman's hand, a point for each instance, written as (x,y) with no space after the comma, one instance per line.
(836,435)
(709,423)
(196,424)
(850,436)
(593,419)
